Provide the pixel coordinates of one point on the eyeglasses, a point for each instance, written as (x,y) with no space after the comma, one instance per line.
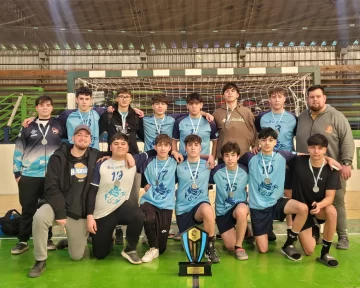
(123,97)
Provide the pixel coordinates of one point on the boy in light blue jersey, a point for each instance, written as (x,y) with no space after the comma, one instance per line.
(160,122)
(282,121)
(192,201)
(159,200)
(231,210)
(266,194)
(285,123)
(194,123)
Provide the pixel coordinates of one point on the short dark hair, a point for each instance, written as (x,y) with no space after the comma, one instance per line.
(318,140)
(123,91)
(42,99)
(277,90)
(230,85)
(192,138)
(194,97)
(230,147)
(163,138)
(83,91)
(160,98)
(315,87)
(119,136)
(268,132)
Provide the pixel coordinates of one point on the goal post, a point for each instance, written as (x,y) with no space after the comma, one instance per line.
(176,84)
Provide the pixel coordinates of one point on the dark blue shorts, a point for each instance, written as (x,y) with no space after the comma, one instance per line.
(288,180)
(187,220)
(262,220)
(227,221)
(310,221)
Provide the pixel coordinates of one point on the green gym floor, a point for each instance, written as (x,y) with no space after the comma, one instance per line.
(261,270)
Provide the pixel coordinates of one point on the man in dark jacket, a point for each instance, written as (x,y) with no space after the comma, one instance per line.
(67,181)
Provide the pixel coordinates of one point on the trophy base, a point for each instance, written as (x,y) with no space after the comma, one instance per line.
(195,269)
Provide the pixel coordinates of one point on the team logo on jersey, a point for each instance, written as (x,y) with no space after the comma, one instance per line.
(267,189)
(79,171)
(54,130)
(114,196)
(33,133)
(329,129)
(230,202)
(160,192)
(192,194)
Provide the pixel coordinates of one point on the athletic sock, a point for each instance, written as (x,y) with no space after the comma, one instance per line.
(292,236)
(325,247)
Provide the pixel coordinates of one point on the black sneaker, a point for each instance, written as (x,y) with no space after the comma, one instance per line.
(119,237)
(271,236)
(19,248)
(62,244)
(51,245)
(210,253)
(37,269)
(132,257)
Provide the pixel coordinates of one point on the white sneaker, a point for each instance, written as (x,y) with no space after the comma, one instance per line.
(150,255)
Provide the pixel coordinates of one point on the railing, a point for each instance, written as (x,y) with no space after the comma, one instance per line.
(12,115)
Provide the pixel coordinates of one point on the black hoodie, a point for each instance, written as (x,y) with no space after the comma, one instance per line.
(59,192)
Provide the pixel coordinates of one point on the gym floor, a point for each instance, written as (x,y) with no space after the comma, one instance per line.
(261,270)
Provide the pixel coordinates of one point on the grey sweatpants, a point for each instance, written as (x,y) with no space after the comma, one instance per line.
(339,203)
(76,232)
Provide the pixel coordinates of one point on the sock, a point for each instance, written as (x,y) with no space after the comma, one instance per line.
(237,247)
(25,243)
(211,239)
(325,247)
(292,236)
(289,227)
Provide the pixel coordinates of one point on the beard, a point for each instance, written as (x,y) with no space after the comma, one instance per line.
(316,108)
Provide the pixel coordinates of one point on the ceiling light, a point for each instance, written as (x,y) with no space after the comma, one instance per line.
(352,25)
(215,31)
(274,29)
(62,29)
(304,28)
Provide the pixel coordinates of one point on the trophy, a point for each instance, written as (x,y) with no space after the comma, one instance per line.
(194,241)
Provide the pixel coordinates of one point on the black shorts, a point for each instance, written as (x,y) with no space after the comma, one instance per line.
(262,220)
(310,221)
(187,220)
(288,180)
(227,221)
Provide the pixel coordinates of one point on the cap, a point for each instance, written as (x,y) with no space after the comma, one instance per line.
(82,127)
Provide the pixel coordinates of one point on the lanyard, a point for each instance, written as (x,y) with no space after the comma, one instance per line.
(266,170)
(87,118)
(123,119)
(228,115)
(158,127)
(228,178)
(46,131)
(156,170)
(197,127)
(312,171)
(196,171)
(282,114)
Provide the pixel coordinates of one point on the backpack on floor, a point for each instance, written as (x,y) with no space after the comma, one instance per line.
(10,223)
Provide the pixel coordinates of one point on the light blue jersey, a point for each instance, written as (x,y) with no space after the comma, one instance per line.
(187,196)
(161,193)
(226,199)
(205,130)
(285,124)
(151,130)
(263,195)
(72,118)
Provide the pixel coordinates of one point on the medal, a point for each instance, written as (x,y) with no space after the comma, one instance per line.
(192,124)
(193,185)
(227,122)
(316,188)
(124,131)
(267,179)
(44,141)
(231,192)
(117,183)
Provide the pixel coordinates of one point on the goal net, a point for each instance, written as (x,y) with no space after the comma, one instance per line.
(253,90)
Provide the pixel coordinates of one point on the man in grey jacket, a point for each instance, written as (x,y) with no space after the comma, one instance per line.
(324,119)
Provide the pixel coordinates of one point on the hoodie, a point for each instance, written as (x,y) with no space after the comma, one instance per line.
(241,129)
(64,174)
(334,126)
